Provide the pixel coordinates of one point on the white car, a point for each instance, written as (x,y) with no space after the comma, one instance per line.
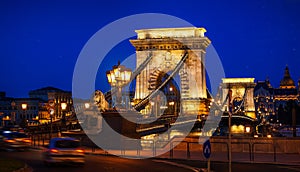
(63,150)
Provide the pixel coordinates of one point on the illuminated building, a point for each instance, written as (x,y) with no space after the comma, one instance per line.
(34,110)
(56,95)
(272,105)
(19,111)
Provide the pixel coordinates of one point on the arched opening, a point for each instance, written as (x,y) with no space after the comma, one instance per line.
(237,104)
(167,102)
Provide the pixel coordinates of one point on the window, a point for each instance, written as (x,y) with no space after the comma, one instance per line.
(67,144)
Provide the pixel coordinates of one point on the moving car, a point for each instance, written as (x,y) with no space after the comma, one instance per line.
(14,140)
(63,150)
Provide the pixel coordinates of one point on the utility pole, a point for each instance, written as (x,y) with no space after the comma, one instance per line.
(294,119)
(229,128)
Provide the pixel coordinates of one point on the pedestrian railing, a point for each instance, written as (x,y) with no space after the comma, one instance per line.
(263,143)
(186,147)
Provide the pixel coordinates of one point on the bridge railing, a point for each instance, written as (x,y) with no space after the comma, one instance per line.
(248,149)
(189,149)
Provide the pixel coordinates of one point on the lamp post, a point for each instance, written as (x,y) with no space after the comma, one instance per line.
(87,108)
(1,114)
(93,119)
(118,77)
(13,113)
(24,107)
(63,108)
(229,128)
(51,112)
(51,106)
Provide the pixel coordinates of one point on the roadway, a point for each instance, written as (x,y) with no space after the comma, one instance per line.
(109,163)
(94,163)
(241,167)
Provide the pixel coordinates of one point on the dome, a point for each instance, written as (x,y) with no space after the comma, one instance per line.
(287,81)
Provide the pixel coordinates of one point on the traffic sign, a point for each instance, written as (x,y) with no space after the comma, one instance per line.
(206,149)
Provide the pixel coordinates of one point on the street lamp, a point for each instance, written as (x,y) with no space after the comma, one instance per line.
(50,108)
(1,114)
(118,77)
(63,108)
(51,112)
(229,128)
(247,129)
(87,105)
(24,107)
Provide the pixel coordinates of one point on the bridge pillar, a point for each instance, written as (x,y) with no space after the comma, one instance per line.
(242,91)
(168,46)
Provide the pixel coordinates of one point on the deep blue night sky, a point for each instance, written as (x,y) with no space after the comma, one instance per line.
(41,40)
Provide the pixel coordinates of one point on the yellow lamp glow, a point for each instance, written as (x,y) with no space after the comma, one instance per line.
(24,106)
(51,111)
(127,75)
(248,129)
(116,71)
(87,105)
(63,106)
(171,103)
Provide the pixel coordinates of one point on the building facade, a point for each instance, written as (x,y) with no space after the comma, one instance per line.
(19,111)
(53,98)
(35,109)
(274,105)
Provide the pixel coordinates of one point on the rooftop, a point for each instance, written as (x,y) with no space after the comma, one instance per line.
(170,32)
(238,80)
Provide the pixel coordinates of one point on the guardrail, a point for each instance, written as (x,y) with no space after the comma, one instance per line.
(41,139)
(253,148)
(187,148)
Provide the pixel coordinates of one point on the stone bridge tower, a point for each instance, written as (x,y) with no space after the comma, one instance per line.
(242,91)
(166,48)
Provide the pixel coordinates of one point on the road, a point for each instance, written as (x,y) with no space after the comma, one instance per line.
(96,163)
(116,164)
(242,167)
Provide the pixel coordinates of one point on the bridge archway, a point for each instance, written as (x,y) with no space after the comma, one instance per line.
(237,104)
(170,107)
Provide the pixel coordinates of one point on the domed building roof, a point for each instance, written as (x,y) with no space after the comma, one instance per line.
(287,81)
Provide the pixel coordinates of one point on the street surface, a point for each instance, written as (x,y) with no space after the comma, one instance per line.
(242,167)
(109,163)
(95,163)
